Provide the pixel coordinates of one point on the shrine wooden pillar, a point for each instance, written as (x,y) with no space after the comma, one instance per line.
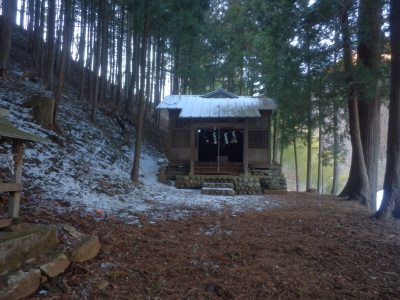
(13,205)
(246,148)
(192,148)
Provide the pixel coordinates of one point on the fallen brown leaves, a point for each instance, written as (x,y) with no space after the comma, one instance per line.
(310,247)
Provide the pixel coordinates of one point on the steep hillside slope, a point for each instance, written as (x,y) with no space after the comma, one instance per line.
(89,168)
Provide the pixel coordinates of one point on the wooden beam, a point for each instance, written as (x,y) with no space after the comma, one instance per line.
(219,125)
(11,187)
(13,206)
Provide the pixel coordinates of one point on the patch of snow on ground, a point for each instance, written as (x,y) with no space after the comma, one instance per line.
(89,168)
(379,196)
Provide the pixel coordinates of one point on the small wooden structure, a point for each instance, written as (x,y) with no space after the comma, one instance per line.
(8,133)
(218,133)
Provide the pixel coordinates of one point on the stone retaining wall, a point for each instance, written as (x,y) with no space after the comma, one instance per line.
(252,185)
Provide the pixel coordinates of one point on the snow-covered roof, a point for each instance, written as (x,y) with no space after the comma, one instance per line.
(7,129)
(230,106)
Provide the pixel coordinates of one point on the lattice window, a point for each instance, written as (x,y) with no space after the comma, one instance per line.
(258,139)
(180,138)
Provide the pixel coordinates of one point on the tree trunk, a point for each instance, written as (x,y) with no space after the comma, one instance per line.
(57,57)
(309,116)
(134,78)
(51,23)
(390,206)
(64,53)
(335,154)
(157,100)
(296,164)
(40,46)
(320,148)
(281,155)
(369,53)
(36,41)
(147,89)
(6,29)
(175,79)
(139,129)
(22,15)
(31,10)
(42,110)
(104,53)
(71,31)
(357,187)
(128,55)
(90,54)
(82,47)
(96,77)
(119,96)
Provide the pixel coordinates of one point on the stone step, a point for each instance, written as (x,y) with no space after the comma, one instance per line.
(31,241)
(218,185)
(218,191)
(28,257)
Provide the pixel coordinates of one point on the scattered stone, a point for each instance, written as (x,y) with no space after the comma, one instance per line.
(275,186)
(87,249)
(18,220)
(103,285)
(43,279)
(55,266)
(15,227)
(71,231)
(20,284)
(5,222)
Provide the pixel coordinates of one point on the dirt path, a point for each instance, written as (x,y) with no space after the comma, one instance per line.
(310,247)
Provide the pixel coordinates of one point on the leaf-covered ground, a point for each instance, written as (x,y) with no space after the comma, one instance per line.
(309,247)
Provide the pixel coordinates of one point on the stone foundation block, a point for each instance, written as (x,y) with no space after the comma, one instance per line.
(20,284)
(30,241)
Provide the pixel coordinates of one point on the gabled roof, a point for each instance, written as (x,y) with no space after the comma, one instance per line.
(220,93)
(7,129)
(212,105)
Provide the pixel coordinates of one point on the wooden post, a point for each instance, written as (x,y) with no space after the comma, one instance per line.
(246,148)
(192,148)
(218,151)
(13,205)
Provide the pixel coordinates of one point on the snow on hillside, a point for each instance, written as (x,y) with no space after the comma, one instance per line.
(89,169)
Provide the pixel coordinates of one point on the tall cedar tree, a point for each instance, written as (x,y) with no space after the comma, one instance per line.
(369,56)
(139,125)
(65,50)
(51,23)
(358,177)
(368,52)
(6,29)
(390,206)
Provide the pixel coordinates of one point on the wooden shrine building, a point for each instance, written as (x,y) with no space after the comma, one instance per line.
(218,134)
